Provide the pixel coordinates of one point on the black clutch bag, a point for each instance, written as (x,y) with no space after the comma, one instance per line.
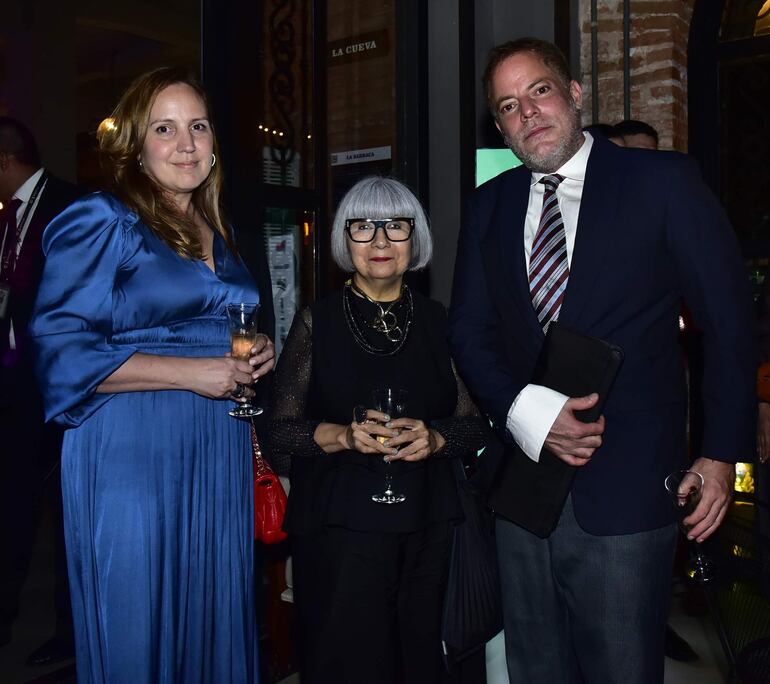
(532,494)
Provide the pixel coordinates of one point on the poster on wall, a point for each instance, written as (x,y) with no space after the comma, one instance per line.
(282,258)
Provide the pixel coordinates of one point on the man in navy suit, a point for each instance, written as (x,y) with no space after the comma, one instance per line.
(31,198)
(608,241)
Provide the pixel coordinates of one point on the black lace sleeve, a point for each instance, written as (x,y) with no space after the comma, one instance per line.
(290,433)
(466,430)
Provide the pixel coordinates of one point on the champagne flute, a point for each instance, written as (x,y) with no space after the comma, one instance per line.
(242,319)
(684,487)
(393,403)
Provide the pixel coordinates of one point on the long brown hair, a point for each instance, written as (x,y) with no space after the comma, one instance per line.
(121,139)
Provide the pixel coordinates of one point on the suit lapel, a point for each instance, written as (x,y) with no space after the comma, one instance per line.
(595,230)
(31,256)
(504,253)
(51,201)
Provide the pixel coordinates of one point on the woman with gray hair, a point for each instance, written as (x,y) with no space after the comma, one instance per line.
(370,566)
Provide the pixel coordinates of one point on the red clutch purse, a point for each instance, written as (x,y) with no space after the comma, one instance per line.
(269,499)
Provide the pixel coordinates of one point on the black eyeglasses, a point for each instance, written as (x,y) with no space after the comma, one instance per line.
(363,229)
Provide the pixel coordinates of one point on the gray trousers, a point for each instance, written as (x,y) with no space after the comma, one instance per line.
(584,608)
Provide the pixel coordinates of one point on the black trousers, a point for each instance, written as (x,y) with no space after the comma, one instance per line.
(369,605)
(29,477)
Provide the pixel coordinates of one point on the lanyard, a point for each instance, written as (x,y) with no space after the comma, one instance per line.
(11,247)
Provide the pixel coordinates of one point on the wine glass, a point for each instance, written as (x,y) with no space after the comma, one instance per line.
(242,319)
(684,487)
(393,403)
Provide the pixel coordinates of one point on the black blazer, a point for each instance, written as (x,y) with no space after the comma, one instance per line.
(650,234)
(54,198)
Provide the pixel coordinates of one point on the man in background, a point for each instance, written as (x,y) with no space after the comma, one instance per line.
(637,134)
(31,198)
(606,130)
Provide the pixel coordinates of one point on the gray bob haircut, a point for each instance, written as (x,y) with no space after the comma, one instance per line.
(378,197)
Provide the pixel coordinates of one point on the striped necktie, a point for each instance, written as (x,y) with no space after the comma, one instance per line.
(548,265)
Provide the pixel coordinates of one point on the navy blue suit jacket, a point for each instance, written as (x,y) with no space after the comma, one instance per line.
(650,234)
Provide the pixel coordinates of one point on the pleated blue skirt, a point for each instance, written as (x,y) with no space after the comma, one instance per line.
(159,524)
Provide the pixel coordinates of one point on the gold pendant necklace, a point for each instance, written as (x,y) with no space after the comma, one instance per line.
(385,321)
(394,344)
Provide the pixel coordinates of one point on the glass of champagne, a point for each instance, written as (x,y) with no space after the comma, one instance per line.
(392,402)
(243,336)
(684,488)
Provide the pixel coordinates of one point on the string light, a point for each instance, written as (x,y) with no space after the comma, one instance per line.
(276,132)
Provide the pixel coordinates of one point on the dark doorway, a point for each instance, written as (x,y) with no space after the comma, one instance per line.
(729,75)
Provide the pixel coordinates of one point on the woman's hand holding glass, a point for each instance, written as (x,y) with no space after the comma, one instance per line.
(217,377)
(363,436)
(246,344)
(262,358)
(415,441)
(221,377)
(261,361)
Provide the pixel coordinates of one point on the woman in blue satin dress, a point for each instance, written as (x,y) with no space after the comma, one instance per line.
(132,340)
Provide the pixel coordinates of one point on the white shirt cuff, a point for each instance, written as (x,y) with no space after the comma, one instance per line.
(531,416)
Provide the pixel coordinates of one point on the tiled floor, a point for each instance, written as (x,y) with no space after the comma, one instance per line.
(35,625)
(711,667)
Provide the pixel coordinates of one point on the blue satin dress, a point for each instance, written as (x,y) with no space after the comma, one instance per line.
(157,485)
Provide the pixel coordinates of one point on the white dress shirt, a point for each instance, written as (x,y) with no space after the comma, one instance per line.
(536,407)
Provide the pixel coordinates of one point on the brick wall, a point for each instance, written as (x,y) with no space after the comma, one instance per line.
(658,41)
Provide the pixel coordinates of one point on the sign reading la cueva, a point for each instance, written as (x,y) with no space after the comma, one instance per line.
(362,46)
